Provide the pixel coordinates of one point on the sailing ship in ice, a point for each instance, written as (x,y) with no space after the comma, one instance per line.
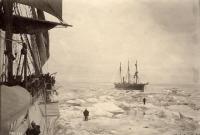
(129,85)
(28,104)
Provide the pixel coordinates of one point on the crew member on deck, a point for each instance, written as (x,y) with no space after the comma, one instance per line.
(33,130)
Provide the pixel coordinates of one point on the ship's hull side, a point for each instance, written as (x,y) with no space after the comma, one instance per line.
(18,112)
(15,102)
(127,86)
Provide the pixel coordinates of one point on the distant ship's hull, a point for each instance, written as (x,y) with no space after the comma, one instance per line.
(129,86)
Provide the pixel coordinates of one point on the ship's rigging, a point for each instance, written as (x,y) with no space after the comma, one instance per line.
(24,50)
(29,24)
(130,84)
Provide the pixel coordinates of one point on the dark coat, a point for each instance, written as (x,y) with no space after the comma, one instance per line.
(86,112)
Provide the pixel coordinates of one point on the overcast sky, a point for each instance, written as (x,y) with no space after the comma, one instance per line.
(161,34)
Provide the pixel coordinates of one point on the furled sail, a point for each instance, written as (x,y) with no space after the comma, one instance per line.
(42,40)
(28,25)
(36,54)
(53,7)
(45,33)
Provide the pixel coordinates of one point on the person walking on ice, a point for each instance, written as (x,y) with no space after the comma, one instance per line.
(86,114)
(144,101)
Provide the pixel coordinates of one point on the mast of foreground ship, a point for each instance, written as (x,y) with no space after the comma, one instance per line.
(7,7)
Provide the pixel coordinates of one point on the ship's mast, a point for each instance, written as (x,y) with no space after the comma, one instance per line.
(120,72)
(136,73)
(25,63)
(8,6)
(128,73)
(1,59)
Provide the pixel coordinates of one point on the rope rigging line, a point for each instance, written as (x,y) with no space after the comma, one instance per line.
(18,41)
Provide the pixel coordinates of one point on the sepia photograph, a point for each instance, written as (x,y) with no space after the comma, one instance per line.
(100,67)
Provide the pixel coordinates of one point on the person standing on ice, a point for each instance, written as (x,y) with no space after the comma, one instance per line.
(86,114)
(144,101)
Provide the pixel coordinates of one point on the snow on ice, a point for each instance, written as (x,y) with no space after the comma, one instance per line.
(117,112)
